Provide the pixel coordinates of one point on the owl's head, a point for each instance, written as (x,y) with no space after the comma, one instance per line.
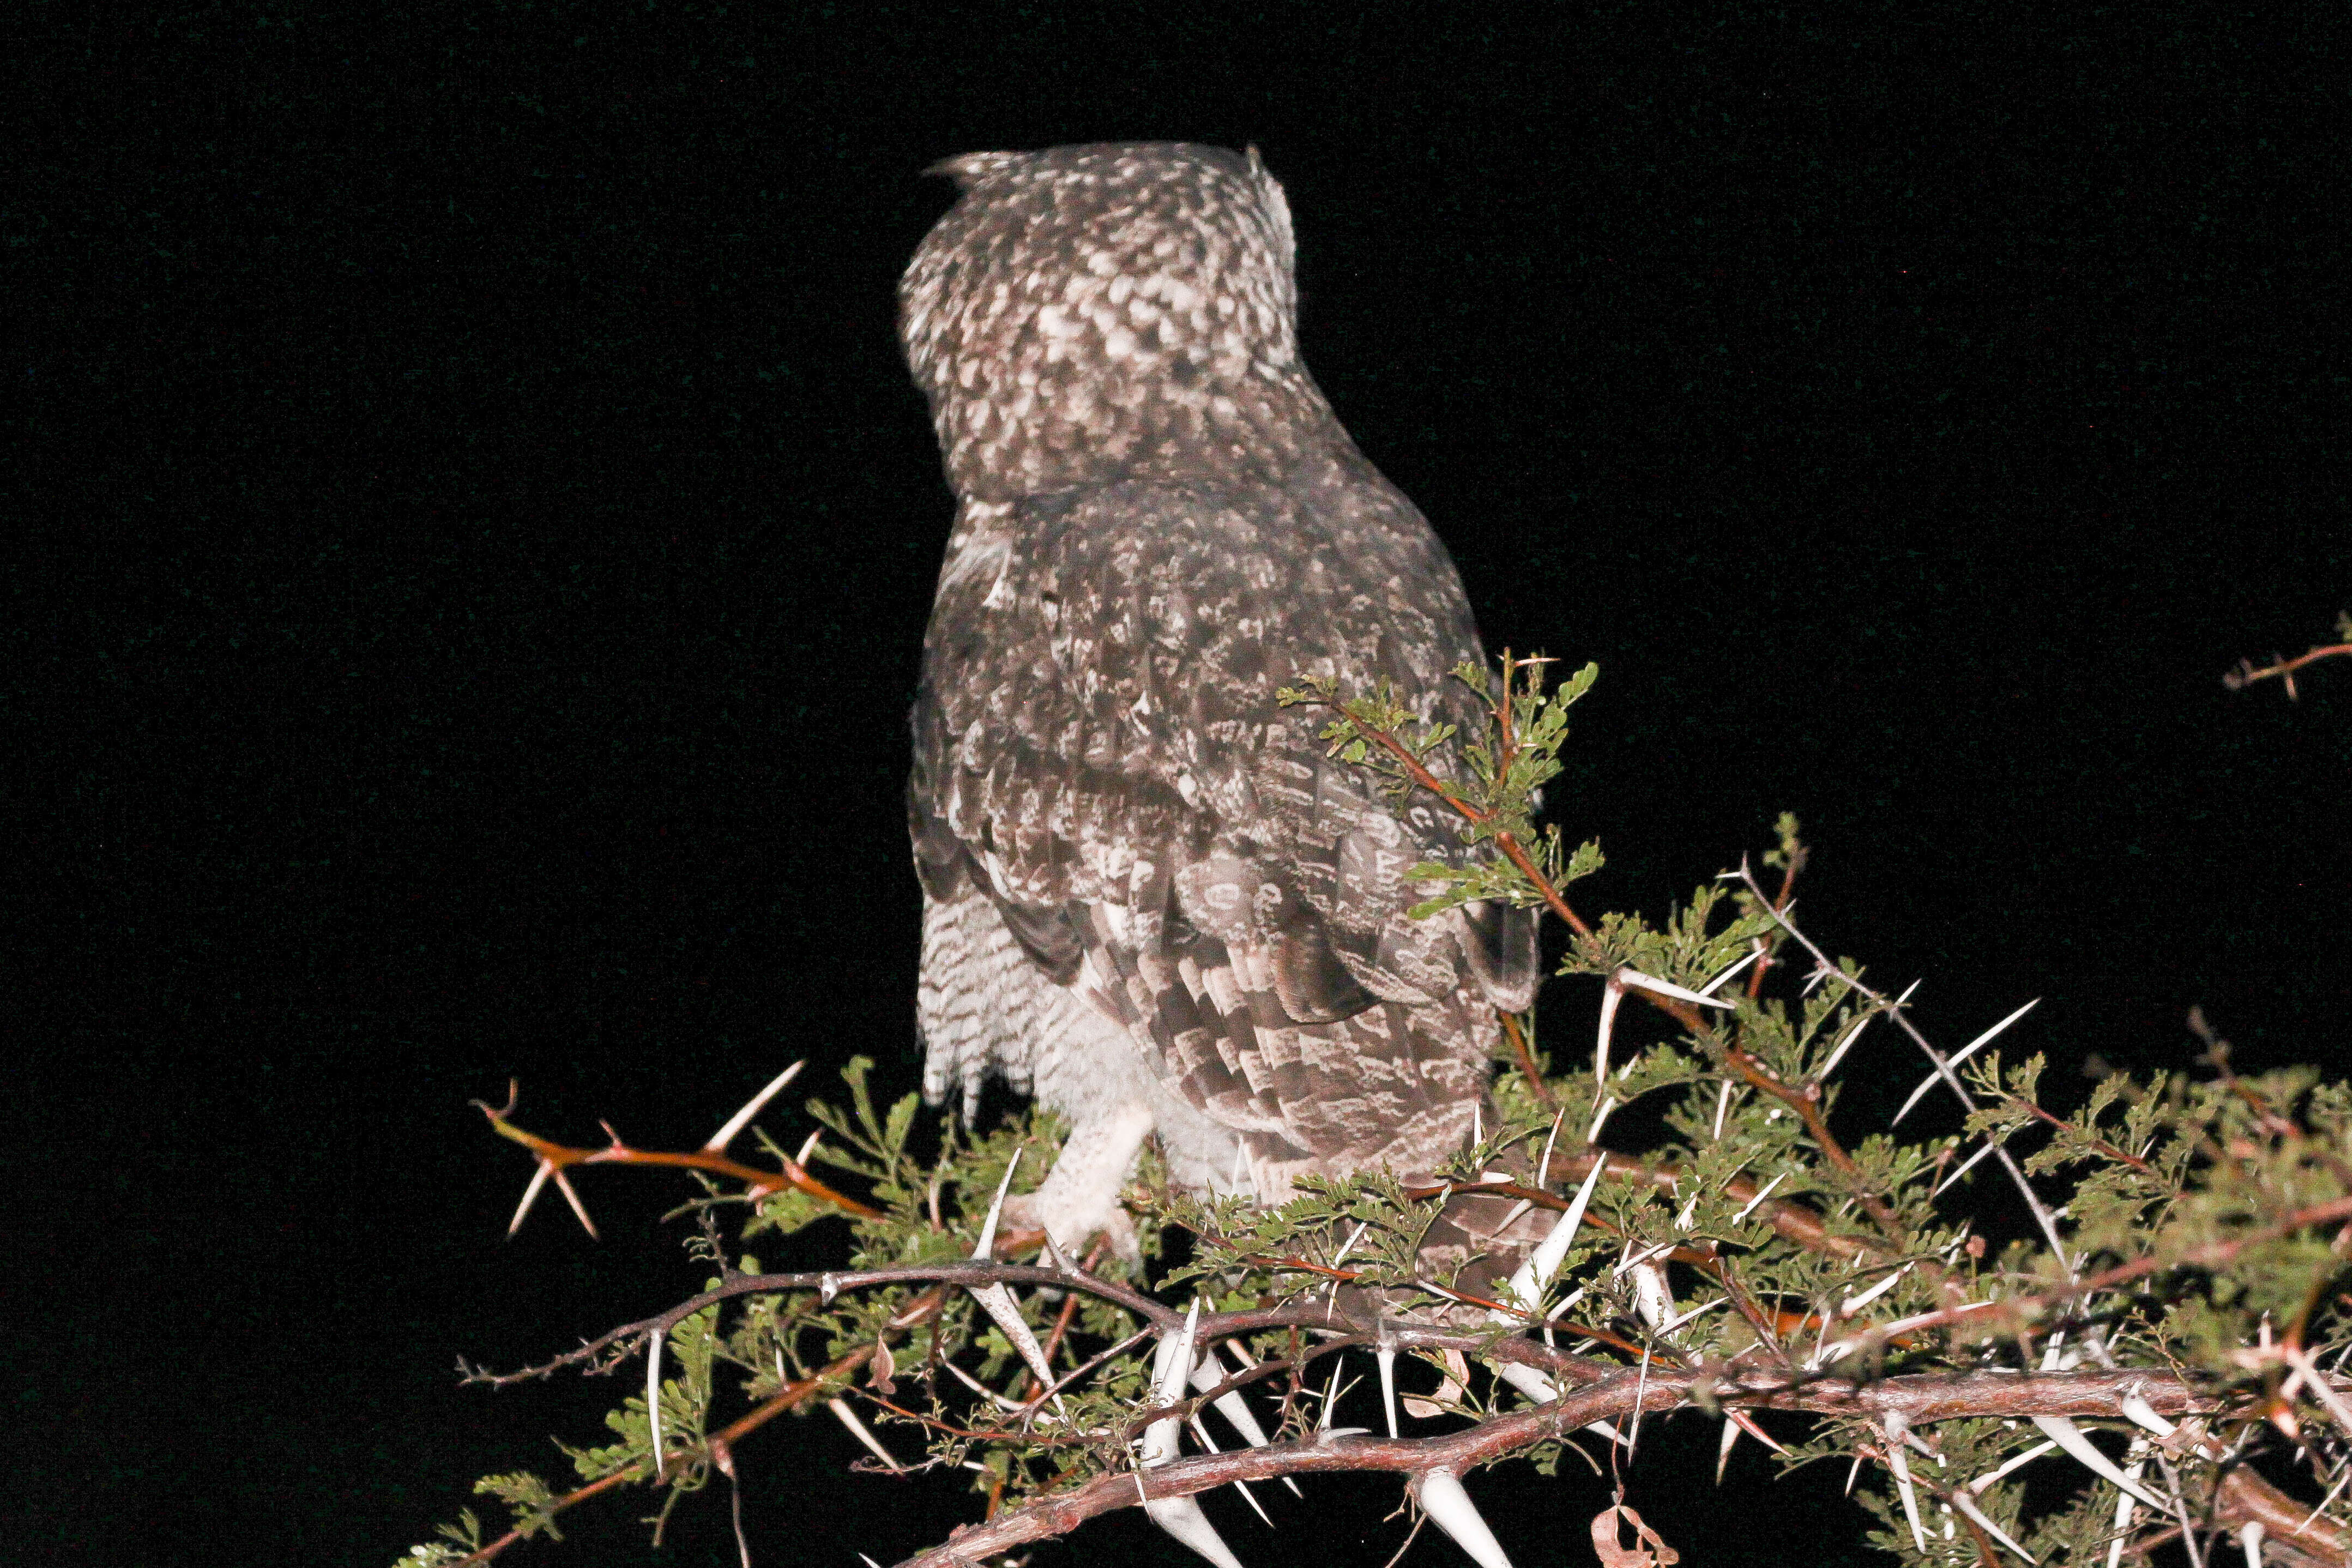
(1089,314)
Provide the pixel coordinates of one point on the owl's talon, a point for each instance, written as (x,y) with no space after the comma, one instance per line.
(1073,1224)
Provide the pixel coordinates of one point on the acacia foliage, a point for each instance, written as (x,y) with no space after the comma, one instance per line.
(1924,1308)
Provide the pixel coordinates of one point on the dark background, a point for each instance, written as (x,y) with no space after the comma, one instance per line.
(476,534)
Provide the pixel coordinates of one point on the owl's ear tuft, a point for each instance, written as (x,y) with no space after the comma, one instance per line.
(968,169)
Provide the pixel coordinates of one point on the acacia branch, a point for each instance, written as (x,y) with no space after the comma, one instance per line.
(1628,1391)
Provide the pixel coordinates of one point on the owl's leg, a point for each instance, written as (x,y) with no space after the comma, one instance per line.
(1079,1199)
(985,1005)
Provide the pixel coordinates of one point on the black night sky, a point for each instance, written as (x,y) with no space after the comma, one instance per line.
(473,532)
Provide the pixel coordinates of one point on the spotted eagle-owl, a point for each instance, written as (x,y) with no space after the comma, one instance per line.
(1150,897)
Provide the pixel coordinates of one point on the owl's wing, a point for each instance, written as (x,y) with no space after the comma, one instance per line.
(1099,749)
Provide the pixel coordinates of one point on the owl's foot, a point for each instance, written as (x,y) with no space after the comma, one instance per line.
(1074,1223)
(1078,1200)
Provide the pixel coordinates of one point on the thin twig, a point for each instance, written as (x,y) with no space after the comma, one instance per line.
(558,1157)
(2245,674)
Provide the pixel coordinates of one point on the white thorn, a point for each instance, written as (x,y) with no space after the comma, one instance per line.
(1748,1425)
(1722,1104)
(2069,1436)
(1532,1275)
(1543,1169)
(1170,1364)
(1600,1116)
(1856,1303)
(1179,1517)
(1562,1306)
(1234,1407)
(2307,1366)
(1668,988)
(1201,1430)
(1850,1471)
(1670,1326)
(1901,1466)
(1640,1394)
(1238,1412)
(870,1563)
(1723,1449)
(1837,1053)
(735,1123)
(2145,1415)
(1749,1207)
(863,1433)
(808,1147)
(2317,1509)
(1353,1237)
(530,1194)
(1330,1398)
(1528,1381)
(1441,1497)
(1965,1166)
(998,1304)
(1986,1479)
(653,1396)
(1690,1207)
(979,1388)
(563,1185)
(2124,1506)
(987,1243)
(1182,1518)
(1387,1358)
(1967,1505)
(1477,1124)
(1716,985)
(1610,996)
(2249,1542)
(1651,1297)
(1957,1057)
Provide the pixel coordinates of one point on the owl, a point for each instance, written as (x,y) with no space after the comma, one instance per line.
(1150,897)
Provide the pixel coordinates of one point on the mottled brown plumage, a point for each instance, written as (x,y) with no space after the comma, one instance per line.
(1150,899)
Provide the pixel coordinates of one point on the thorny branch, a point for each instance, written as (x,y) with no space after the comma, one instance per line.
(555,1158)
(2194,1421)
(1917,1400)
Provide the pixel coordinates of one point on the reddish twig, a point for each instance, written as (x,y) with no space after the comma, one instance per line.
(1765,960)
(1513,850)
(556,1158)
(1518,1038)
(2245,674)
